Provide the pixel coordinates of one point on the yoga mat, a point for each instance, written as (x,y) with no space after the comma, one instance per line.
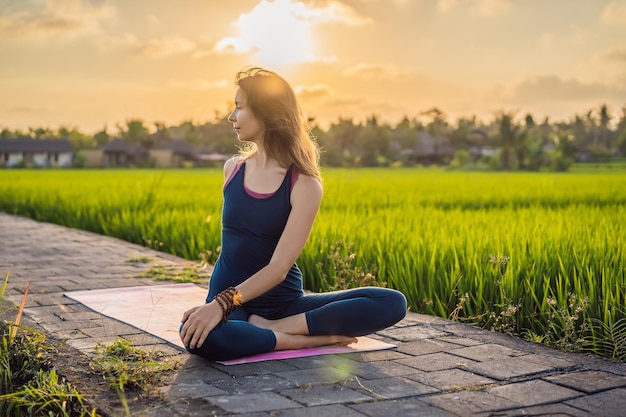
(157,309)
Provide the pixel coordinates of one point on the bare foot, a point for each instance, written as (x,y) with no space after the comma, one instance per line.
(259,321)
(290,341)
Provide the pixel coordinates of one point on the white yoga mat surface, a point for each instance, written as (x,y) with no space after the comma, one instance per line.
(157,309)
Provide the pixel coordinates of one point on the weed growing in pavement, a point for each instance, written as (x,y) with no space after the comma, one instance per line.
(140,259)
(125,366)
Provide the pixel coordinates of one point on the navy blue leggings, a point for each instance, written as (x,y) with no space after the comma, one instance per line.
(355,312)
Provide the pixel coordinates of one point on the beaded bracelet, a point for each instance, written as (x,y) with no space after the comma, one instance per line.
(229,300)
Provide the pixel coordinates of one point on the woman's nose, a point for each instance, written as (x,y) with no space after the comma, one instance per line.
(231,117)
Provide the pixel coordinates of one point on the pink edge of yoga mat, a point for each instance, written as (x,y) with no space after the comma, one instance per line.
(363,344)
(157,309)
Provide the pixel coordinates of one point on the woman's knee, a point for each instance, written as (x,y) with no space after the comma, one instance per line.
(395,305)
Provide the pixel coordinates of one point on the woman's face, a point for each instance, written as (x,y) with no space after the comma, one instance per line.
(247,127)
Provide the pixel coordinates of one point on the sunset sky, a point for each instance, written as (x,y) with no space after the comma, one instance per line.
(96,63)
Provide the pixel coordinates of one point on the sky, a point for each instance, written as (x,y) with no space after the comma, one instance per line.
(94,64)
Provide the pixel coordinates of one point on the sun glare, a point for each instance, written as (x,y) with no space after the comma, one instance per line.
(277,33)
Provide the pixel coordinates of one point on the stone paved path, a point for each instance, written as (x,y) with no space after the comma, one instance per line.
(440,368)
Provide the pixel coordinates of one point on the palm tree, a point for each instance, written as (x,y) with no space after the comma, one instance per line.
(605,118)
(508,132)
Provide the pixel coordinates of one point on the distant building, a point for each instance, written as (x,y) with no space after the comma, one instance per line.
(35,153)
(116,153)
(430,149)
(172,153)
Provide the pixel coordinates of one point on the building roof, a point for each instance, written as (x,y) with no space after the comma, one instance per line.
(117,145)
(176,146)
(35,145)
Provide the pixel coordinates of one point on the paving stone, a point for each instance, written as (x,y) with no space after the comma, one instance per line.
(410,407)
(470,403)
(311,362)
(190,391)
(53,325)
(407,334)
(324,394)
(326,374)
(436,362)
(426,346)
(382,369)
(335,410)
(452,379)
(193,407)
(391,388)
(54,299)
(253,383)
(69,334)
(534,392)
(257,368)
(109,328)
(589,381)
(551,361)
(507,368)
(551,410)
(145,339)
(488,352)
(87,345)
(459,340)
(607,404)
(40,313)
(246,403)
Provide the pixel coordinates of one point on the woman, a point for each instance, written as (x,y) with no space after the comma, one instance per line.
(272,192)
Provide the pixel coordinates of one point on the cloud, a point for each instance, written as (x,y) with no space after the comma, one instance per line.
(375,71)
(54,17)
(152,48)
(615,54)
(314,92)
(18,109)
(280,31)
(614,13)
(329,11)
(547,40)
(164,47)
(199,84)
(489,8)
(553,87)
(447,5)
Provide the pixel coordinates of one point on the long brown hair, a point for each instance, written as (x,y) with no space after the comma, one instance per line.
(286,136)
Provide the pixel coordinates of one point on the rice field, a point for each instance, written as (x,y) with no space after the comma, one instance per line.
(538,255)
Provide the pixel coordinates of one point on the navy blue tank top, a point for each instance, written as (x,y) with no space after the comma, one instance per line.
(251,228)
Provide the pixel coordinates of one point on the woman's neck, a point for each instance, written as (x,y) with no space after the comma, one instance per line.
(263,161)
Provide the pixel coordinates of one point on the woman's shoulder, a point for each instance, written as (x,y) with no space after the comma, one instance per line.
(307,185)
(231,164)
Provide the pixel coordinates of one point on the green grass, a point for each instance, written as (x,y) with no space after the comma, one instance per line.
(28,384)
(432,234)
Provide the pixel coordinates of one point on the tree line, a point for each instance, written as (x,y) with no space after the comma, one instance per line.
(508,142)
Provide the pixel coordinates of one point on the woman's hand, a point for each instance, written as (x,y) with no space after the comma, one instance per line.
(198,323)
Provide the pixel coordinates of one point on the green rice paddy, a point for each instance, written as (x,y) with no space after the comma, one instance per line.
(533,254)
